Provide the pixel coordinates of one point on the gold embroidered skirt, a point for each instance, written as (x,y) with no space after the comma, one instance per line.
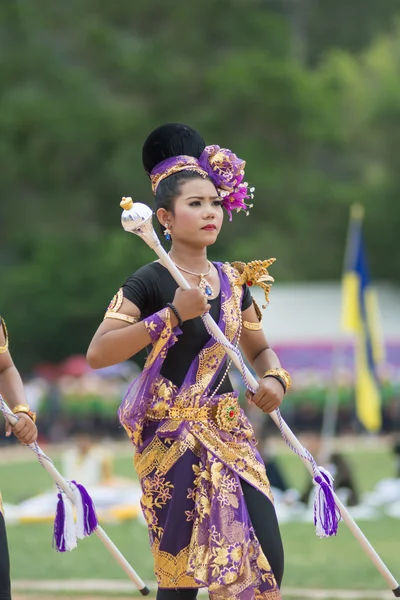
(200,531)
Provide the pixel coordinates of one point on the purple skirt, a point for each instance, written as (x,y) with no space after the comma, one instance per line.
(200,531)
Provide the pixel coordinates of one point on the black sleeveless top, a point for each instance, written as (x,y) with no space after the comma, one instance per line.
(150,288)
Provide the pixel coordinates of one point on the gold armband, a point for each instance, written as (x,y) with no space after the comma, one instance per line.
(113,308)
(121,317)
(281,375)
(24,408)
(5,347)
(252,326)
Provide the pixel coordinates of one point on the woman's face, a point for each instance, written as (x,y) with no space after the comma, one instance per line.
(198,214)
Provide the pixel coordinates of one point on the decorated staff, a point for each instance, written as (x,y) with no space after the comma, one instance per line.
(137,218)
(66,532)
(206,496)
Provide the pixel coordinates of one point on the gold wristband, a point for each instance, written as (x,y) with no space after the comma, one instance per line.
(121,317)
(252,326)
(24,408)
(4,348)
(280,373)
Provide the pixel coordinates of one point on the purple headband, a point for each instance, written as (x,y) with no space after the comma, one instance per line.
(222,166)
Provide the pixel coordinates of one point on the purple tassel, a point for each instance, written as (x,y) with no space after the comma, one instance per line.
(58,535)
(326,513)
(64,536)
(85,512)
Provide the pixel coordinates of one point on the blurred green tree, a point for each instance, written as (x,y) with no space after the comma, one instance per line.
(85,81)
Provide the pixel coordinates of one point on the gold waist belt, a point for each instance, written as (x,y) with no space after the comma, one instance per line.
(226,413)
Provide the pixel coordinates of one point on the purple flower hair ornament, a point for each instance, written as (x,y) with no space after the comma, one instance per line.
(224,169)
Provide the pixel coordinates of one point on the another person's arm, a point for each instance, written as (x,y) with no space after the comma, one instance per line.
(12,389)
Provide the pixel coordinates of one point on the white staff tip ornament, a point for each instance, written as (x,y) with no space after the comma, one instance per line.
(137,218)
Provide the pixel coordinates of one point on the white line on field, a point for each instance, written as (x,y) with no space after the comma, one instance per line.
(110,585)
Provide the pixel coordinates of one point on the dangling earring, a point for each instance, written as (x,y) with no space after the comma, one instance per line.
(167,232)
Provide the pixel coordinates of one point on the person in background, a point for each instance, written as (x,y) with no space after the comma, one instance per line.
(12,390)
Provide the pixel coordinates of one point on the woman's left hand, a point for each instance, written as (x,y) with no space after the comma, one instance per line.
(269,395)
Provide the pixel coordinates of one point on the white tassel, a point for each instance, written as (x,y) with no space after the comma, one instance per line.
(69,525)
(80,518)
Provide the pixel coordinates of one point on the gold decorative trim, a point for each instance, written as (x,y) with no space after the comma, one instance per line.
(113,308)
(158,456)
(171,570)
(4,348)
(156,179)
(116,301)
(121,317)
(239,455)
(252,326)
(226,413)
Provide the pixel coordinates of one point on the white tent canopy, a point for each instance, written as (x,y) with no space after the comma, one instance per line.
(310,312)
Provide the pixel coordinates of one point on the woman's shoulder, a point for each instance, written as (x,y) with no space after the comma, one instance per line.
(151,271)
(143,286)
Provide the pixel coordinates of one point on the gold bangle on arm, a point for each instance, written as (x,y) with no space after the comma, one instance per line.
(252,326)
(4,348)
(121,317)
(280,374)
(24,408)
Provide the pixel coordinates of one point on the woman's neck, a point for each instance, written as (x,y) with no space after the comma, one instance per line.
(193,259)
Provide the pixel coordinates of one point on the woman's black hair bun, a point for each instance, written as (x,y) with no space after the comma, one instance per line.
(171,139)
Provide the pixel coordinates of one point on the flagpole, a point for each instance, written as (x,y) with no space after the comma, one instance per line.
(331,408)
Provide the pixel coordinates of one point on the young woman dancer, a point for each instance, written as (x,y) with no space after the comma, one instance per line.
(206,496)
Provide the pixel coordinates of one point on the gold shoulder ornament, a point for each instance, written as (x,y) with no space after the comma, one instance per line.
(255,273)
(4,348)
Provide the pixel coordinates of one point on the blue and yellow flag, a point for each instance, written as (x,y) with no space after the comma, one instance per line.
(360,316)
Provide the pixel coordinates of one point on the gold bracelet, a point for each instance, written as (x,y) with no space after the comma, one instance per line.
(4,348)
(110,314)
(252,326)
(280,373)
(24,408)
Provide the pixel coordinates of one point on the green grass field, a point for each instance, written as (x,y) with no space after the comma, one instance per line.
(335,563)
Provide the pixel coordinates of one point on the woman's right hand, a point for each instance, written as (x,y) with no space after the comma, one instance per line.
(25,429)
(190,303)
